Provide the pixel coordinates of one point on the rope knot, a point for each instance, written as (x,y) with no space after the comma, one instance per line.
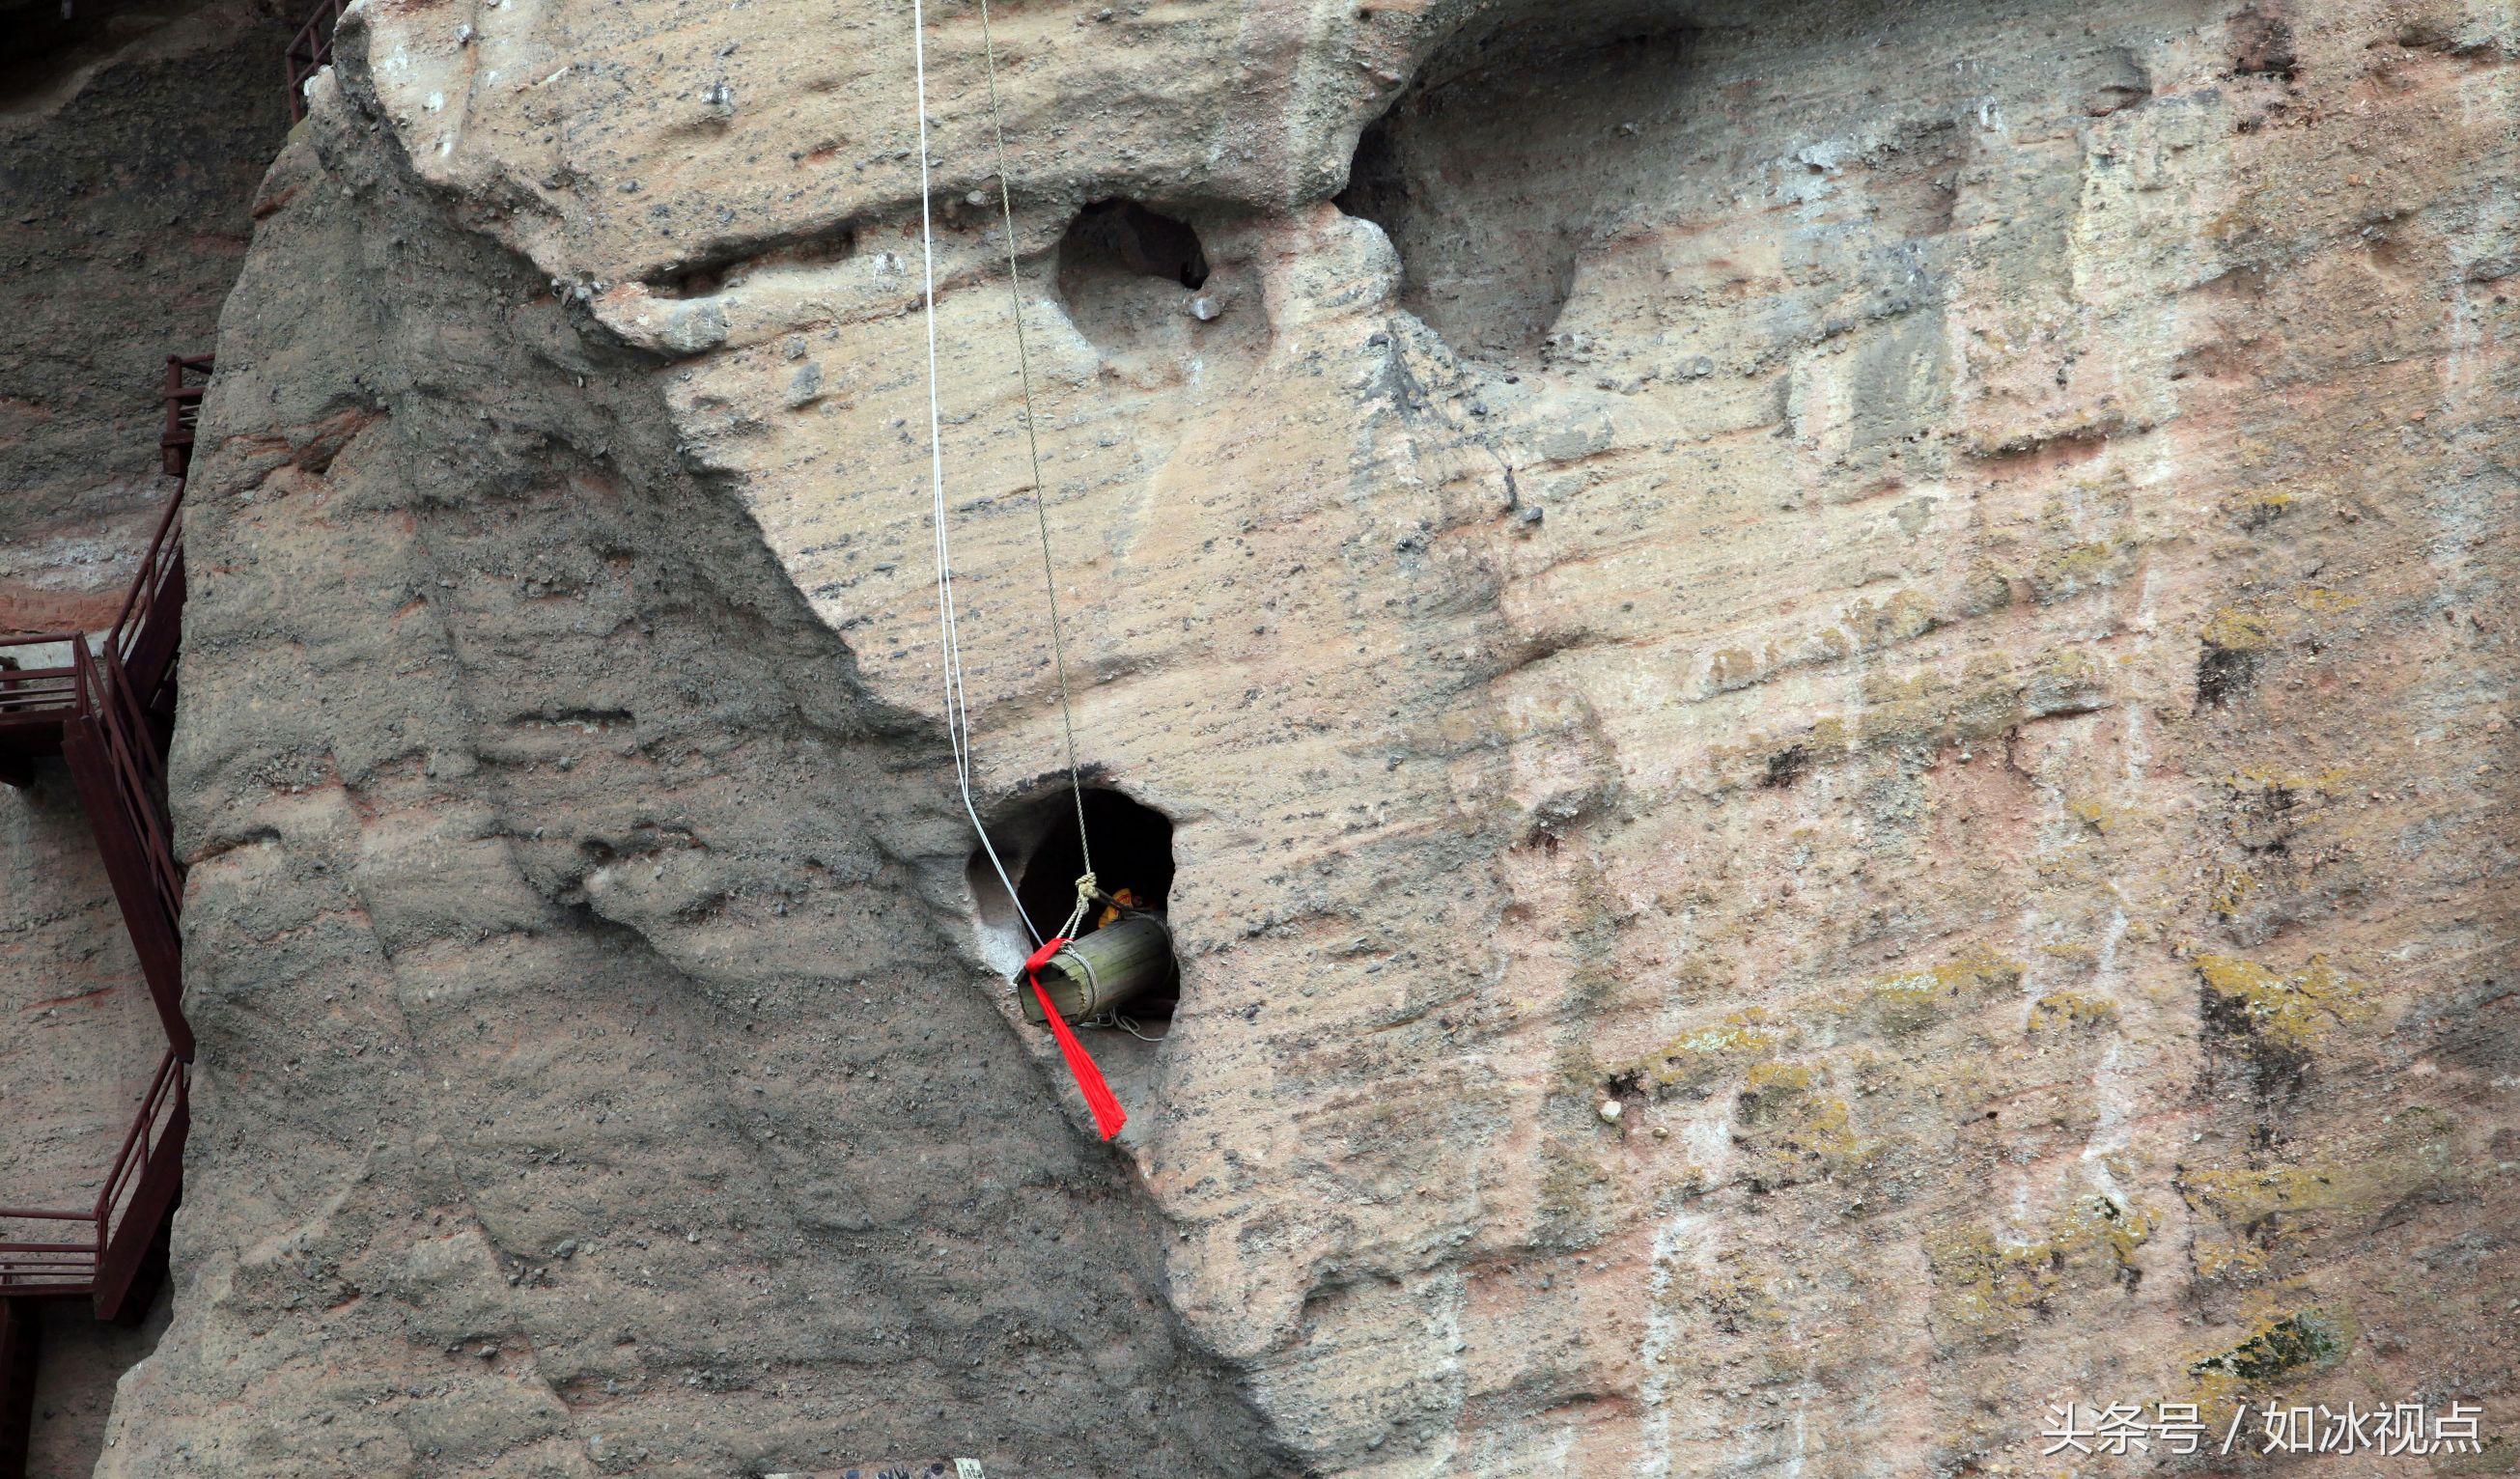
(1085,894)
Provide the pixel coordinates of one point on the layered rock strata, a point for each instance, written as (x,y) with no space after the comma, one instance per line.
(1828,682)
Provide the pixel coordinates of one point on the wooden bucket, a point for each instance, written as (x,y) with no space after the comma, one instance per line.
(1131,955)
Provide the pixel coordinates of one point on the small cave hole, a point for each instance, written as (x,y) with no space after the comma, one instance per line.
(1123,270)
(1045,853)
(1125,239)
(1498,171)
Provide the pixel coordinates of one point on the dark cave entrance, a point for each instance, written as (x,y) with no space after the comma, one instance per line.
(1504,163)
(1043,850)
(1124,239)
(1125,275)
(49,40)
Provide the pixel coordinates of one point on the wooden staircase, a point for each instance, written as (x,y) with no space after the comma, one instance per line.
(107,709)
(111,1264)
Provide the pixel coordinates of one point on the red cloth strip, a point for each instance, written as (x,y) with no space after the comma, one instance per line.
(1108,1116)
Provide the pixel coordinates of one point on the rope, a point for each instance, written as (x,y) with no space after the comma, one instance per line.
(1086,894)
(1125,1024)
(1032,445)
(957,717)
(1108,1116)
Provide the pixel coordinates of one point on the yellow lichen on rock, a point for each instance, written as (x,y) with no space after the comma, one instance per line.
(1987,1286)
(2231,887)
(1695,1061)
(2098,815)
(2258,507)
(2323,600)
(2292,1012)
(1898,1004)
(2249,1217)
(2078,568)
(2285,1334)
(1905,615)
(2274,781)
(2252,1204)
(2070,1014)
(2233,629)
(1794,1131)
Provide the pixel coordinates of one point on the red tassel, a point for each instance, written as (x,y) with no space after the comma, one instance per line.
(1108,1116)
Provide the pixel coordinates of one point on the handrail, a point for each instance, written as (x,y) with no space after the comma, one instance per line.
(53,1268)
(313,46)
(121,774)
(140,602)
(139,772)
(39,691)
(26,1269)
(183,400)
(129,1162)
(75,1268)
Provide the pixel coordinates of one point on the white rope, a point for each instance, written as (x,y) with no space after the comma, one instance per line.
(957,717)
(1040,494)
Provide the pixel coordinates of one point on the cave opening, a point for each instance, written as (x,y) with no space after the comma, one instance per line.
(1124,239)
(1044,850)
(1126,274)
(49,40)
(1504,163)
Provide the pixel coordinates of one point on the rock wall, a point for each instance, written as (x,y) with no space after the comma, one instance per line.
(130,139)
(1828,678)
(582,1088)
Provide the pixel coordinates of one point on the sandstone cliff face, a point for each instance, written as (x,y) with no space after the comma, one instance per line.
(592,1094)
(130,139)
(1828,681)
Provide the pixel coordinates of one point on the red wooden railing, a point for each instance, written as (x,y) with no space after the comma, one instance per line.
(121,774)
(49,1268)
(91,712)
(143,1187)
(31,697)
(311,51)
(107,710)
(127,1217)
(138,640)
(187,376)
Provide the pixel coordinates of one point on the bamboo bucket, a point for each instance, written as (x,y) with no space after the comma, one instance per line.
(1095,973)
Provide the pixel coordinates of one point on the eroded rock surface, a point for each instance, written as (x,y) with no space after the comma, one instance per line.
(1910,596)
(130,138)
(629,1114)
